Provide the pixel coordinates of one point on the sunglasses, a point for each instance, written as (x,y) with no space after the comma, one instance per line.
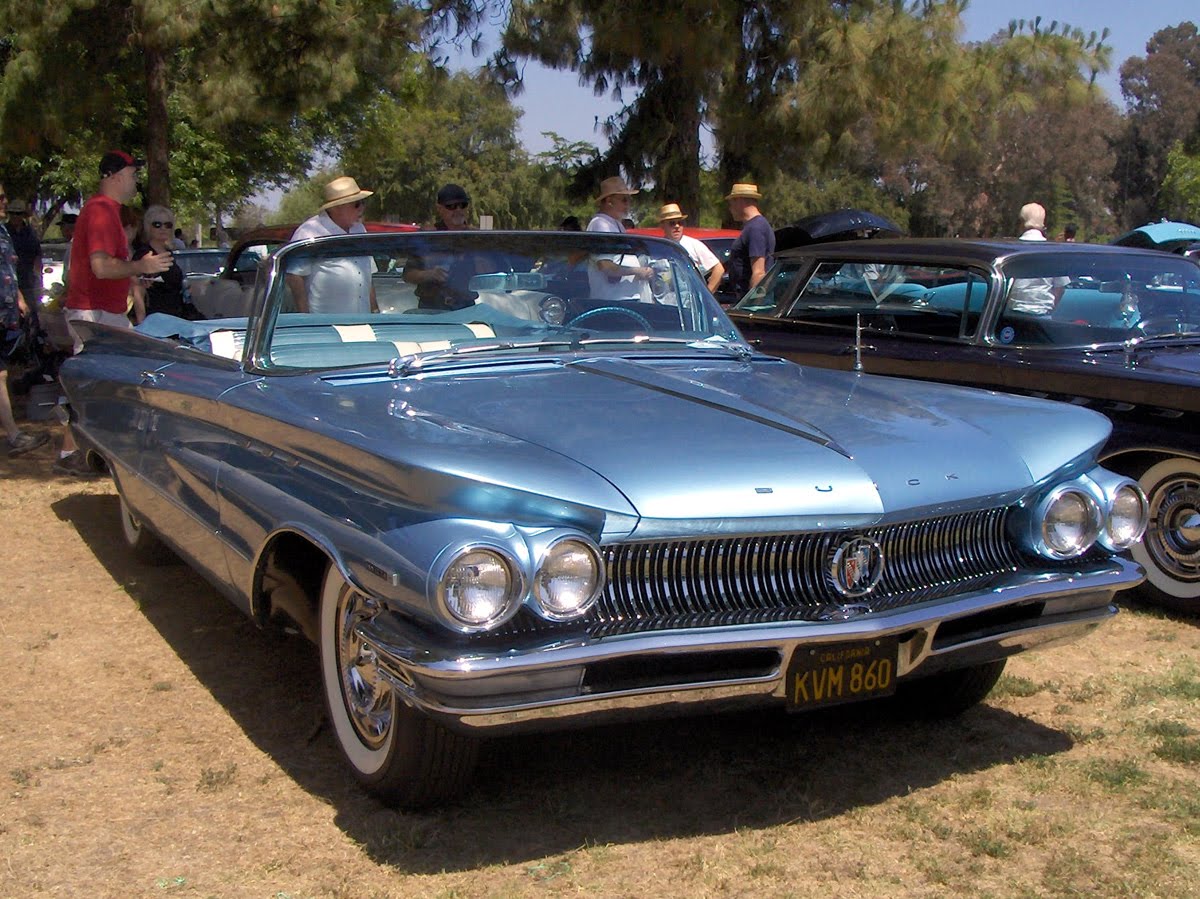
(456,205)
(162,224)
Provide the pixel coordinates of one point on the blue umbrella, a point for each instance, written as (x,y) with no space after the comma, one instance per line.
(1162,235)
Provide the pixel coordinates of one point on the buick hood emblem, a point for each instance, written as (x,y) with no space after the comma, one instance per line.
(856,566)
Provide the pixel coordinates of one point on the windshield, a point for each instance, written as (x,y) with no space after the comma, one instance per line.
(202,262)
(1073,299)
(373,299)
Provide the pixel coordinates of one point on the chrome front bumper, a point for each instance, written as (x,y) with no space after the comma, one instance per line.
(542,684)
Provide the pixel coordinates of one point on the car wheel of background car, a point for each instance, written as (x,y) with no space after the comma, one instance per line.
(619,310)
(395,751)
(949,693)
(146,547)
(1170,549)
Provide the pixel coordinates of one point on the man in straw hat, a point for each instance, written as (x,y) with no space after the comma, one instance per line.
(335,285)
(752,252)
(612,205)
(670,219)
(621,277)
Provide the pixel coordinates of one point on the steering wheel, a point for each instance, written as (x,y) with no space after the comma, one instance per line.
(618,309)
(1160,324)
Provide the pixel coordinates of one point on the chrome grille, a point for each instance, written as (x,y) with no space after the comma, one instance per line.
(694,583)
(782,577)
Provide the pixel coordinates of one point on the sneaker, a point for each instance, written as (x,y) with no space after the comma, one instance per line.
(23,443)
(76,465)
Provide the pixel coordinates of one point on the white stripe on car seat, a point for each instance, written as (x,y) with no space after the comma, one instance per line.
(355,333)
(411,347)
(479,329)
(227,343)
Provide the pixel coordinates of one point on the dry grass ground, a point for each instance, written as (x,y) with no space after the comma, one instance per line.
(154,743)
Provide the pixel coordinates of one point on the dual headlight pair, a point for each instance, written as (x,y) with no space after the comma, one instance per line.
(1099,507)
(483,586)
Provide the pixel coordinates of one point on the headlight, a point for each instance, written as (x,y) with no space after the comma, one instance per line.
(479,588)
(568,580)
(1070,524)
(1126,517)
(552,310)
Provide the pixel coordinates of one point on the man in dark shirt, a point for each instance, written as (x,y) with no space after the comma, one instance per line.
(753,251)
(29,256)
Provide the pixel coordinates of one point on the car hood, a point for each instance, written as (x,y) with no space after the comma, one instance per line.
(723,442)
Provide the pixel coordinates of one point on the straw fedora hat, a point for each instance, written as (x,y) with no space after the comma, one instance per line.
(671,213)
(343,190)
(744,191)
(614,185)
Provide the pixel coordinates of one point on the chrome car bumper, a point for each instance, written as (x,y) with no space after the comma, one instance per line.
(578,680)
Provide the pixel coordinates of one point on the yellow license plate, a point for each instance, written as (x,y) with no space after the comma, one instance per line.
(834,673)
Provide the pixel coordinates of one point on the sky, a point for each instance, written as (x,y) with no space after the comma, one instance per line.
(554,101)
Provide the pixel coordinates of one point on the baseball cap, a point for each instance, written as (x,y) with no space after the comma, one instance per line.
(452,193)
(115,160)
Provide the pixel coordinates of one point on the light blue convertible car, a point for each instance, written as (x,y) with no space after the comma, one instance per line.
(536,480)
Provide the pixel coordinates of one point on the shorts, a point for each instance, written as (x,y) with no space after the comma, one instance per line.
(112,319)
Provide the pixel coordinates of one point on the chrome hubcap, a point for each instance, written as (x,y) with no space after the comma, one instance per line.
(369,698)
(1173,537)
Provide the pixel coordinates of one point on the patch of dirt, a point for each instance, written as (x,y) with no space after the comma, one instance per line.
(154,742)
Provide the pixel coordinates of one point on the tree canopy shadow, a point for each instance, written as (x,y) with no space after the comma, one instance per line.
(539,795)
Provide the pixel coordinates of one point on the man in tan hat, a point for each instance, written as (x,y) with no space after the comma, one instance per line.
(752,252)
(612,205)
(616,277)
(335,285)
(670,219)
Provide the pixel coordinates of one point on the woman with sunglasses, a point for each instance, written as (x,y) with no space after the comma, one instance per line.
(162,292)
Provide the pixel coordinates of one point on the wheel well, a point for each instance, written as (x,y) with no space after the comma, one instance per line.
(288,581)
(1132,463)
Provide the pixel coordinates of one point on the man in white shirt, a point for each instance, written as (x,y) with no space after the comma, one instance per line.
(670,219)
(616,277)
(333,284)
(1035,296)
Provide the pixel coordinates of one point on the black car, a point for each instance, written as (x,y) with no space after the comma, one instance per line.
(1112,328)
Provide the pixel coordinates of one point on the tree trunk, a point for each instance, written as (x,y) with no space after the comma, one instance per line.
(158,171)
(678,175)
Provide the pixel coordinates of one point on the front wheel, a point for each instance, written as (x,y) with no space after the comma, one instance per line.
(1170,549)
(144,545)
(395,751)
(950,693)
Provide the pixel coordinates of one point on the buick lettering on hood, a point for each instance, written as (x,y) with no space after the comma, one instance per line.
(539,481)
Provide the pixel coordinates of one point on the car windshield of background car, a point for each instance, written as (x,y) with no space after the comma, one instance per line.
(199,263)
(916,300)
(475,292)
(1099,298)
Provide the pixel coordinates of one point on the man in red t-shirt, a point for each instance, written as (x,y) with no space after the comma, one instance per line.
(98,289)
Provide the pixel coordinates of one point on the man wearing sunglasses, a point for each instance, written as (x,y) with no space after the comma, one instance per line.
(453,209)
(335,285)
(443,280)
(671,219)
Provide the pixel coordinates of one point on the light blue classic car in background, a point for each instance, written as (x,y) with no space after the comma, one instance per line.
(549,484)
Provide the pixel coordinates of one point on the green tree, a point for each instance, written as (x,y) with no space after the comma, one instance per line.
(256,80)
(1162,89)
(460,128)
(1024,122)
(1180,195)
(777,80)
